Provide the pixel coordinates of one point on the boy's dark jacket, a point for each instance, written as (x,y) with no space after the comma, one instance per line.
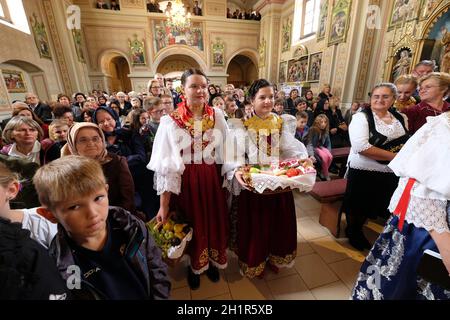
(141,252)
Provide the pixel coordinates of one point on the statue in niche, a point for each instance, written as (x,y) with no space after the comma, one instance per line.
(403,64)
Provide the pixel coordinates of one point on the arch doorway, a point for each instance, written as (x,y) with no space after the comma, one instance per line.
(115,68)
(174,65)
(241,71)
(119,71)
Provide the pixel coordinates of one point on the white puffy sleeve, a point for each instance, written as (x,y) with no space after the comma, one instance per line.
(359,133)
(166,160)
(290,146)
(234,154)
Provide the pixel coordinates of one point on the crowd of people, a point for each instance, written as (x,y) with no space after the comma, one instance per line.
(101,165)
(153,6)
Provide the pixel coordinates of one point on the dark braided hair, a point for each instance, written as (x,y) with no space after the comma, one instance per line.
(189,72)
(256,85)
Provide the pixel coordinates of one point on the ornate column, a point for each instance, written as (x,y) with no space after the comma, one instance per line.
(269,39)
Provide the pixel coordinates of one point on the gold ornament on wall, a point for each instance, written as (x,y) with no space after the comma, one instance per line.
(322,20)
(340,21)
(300,51)
(137,51)
(262,53)
(403,11)
(40,37)
(218,53)
(76,35)
(286,36)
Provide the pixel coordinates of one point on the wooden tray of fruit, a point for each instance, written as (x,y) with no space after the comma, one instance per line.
(172,238)
(280,176)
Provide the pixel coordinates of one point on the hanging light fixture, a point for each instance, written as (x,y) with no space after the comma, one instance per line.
(177,16)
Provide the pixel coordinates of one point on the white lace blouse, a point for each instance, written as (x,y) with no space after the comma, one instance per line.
(425,158)
(359,138)
(289,147)
(167,161)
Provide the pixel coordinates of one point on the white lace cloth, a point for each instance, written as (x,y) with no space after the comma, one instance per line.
(303,183)
(359,138)
(427,213)
(175,252)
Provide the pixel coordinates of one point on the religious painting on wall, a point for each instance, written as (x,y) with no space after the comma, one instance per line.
(427,7)
(315,64)
(14,81)
(262,53)
(298,69)
(402,11)
(218,53)
(401,63)
(437,43)
(166,35)
(322,20)
(340,19)
(137,51)
(76,35)
(40,37)
(286,38)
(282,72)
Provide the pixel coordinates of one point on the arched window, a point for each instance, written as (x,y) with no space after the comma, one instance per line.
(306,19)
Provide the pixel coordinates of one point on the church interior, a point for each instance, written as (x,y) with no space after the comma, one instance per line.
(338,50)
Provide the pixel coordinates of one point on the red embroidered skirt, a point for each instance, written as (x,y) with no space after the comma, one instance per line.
(202,201)
(266,231)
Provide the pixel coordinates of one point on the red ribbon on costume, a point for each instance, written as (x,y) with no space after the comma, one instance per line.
(403,203)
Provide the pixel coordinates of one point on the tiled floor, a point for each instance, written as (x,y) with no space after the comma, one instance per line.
(325,267)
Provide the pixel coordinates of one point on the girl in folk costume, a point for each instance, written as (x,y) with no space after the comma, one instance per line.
(266,224)
(420,205)
(192,182)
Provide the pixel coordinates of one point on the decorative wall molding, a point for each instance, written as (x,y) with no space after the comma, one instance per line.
(132,4)
(364,62)
(64,72)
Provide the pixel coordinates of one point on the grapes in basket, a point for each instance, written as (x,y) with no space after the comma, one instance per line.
(171,237)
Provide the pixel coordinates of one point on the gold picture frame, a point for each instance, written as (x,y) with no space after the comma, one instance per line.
(402,12)
(339,22)
(137,52)
(14,81)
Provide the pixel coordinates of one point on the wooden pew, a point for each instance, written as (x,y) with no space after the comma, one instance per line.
(330,194)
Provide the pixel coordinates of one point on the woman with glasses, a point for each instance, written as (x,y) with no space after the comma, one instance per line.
(376,133)
(155,88)
(434,88)
(87,139)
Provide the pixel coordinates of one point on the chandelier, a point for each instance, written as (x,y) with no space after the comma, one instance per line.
(177,16)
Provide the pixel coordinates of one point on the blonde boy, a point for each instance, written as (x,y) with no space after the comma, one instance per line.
(110,250)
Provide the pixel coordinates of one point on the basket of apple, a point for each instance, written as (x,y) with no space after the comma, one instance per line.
(280,176)
(172,238)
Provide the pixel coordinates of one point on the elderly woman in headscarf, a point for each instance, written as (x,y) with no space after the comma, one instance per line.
(86,139)
(124,142)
